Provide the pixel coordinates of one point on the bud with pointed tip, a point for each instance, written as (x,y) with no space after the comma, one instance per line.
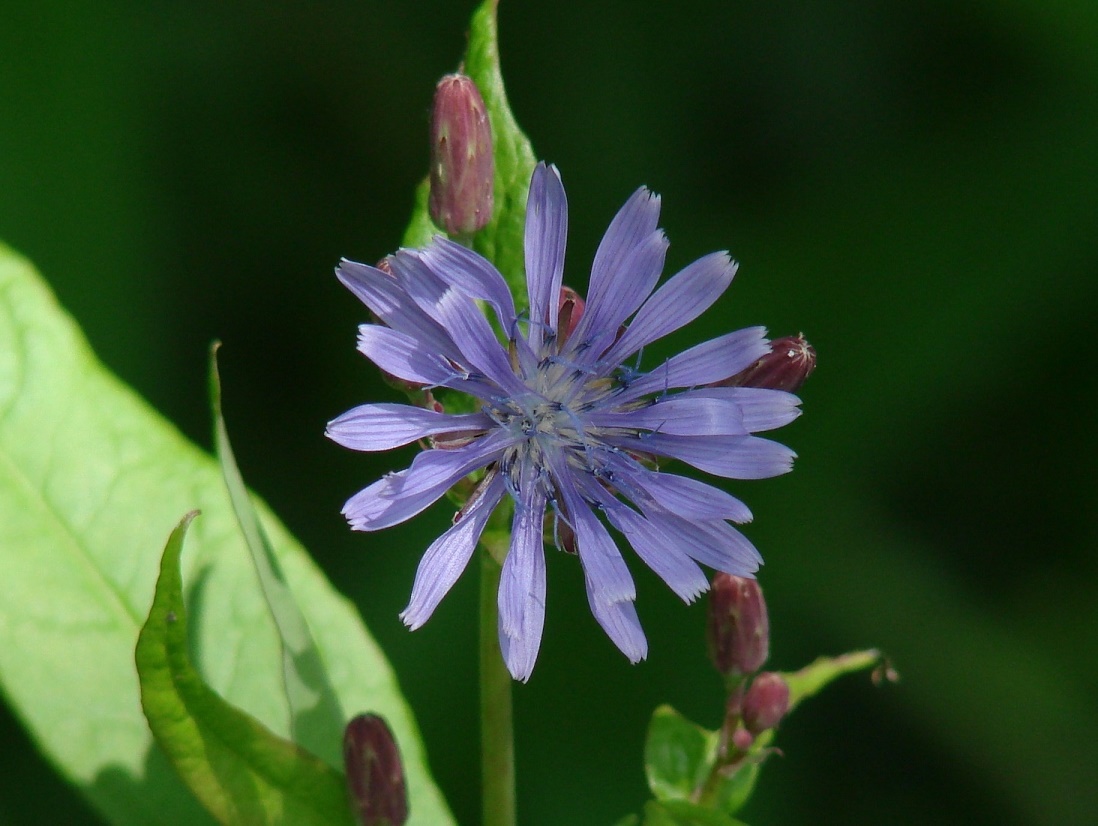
(375,776)
(569,312)
(766,702)
(462,168)
(789,363)
(738,628)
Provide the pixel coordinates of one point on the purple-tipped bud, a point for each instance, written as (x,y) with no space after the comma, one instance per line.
(766,702)
(742,739)
(462,168)
(570,311)
(789,363)
(738,629)
(375,776)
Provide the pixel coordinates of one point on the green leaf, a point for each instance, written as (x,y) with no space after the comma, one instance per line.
(239,769)
(501,241)
(730,792)
(91,481)
(683,813)
(816,675)
(678,755)
(316,720)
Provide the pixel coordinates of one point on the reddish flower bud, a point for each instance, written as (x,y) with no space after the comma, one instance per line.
(738,629)
(462,167)
(790,361)
(766,702)
(569,313)
(375,776)
(742,739)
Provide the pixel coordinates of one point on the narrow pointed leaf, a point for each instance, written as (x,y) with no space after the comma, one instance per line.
(316,719)
(240,770)
(811,679)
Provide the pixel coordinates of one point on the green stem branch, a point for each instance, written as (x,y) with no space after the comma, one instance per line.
(497,742)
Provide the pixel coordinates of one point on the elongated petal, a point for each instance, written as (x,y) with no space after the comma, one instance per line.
(620,622)
(521,597)
(460,316)
(664,556)
(385,426)
(761,408)
(545,240)
(474,274)
(734,457)
(388,300)
(713,543)
(400,496)
(635,221)
(678,302)
(704,363)
(405,357)
(448,556)
(682,415)
(687,497)
(604,314)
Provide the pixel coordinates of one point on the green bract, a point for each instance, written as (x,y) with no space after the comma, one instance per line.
(91,482)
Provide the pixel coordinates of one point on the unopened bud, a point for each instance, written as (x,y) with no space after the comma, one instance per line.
(766,702)
(789,363)
(742,739)
(375,776)
(738,628)
(569,313)
(462,168)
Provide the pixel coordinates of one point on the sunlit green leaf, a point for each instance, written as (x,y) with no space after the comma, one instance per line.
(239,769)
(678,755)
(91,481)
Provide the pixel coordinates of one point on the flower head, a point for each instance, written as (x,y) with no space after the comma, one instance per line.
(563,427)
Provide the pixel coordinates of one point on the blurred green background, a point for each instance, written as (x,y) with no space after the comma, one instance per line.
(914,185)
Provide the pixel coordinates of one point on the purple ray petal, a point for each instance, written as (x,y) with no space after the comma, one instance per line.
(687,497)
(713,543)
(664,556)
(400,496)
(403,356)
(620,622)
(521,597)
(704,363)
(605,314)
(734,457)
(606,571)
(474,274)
(761,408)
(545,240)
(680,415)
(635,222)
(385,426)
(449,555)
(678,302)
(387,299)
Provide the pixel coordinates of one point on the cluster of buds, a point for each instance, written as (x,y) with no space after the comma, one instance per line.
(738,631)
(375,776)
(738,634)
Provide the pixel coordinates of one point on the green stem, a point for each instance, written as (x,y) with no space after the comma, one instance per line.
(497,742)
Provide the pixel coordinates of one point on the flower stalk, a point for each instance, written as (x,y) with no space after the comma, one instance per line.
(497,741)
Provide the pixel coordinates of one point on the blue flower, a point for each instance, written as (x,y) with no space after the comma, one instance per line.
(563,427)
